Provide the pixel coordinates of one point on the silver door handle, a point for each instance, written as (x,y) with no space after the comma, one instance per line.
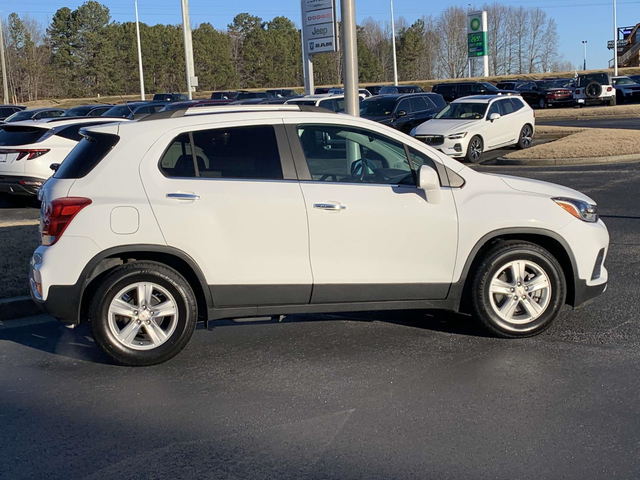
(183,196)
(330,206)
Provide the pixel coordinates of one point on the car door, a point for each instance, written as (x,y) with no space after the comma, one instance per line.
(511,125)
(423,110)
(228,197)
(495,132)
(402,115)
(373,236)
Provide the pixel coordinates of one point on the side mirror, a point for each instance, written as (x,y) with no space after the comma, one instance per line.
(54,166)
(494,116)
(401,113)
(429,181)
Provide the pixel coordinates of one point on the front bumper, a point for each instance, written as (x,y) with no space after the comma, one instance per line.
(20,185)
(560,101)
(453,148)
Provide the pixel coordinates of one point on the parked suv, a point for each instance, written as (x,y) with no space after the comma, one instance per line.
(593,89)
(150,226)
(627,90)
(403,112)
(452,91)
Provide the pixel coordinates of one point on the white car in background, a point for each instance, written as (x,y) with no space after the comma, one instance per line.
(333,102)
(469,126)
(29,148)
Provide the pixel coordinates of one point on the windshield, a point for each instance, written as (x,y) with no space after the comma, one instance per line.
(13,135)
(624,81)
(463,111)
(119,111)
(490,87)
(506,86)
(601,78)
(77,112)
(562,83)
(19,116)
(377,107)
(302,102)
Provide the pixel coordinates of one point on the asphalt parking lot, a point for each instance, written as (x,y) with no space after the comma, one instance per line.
(597,122)
(378,395)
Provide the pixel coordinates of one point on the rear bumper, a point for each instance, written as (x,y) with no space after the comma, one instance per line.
(20,185)
(61,303)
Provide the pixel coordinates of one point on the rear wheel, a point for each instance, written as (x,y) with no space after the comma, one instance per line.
(612,102)
(143,313)
(519,290)
(474,150)
(526,137)
(542,103)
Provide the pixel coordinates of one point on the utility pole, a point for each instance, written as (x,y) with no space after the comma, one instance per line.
(584,43)
(188,49)
(393,43)
(350,57)
(615,41)
(139,53)
(5,87)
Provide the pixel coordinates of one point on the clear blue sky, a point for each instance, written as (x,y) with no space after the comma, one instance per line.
(577,20)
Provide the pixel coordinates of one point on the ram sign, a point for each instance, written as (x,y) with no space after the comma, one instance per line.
(320,26)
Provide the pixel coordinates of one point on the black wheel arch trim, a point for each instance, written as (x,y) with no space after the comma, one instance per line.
(71,308)
(457,290)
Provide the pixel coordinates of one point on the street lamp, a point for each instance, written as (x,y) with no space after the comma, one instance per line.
(584,43)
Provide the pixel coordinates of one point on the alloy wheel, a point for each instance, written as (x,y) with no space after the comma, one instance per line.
(143,316)
(526,136)
(476,149)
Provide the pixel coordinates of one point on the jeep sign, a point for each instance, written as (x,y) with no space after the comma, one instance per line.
(319,26)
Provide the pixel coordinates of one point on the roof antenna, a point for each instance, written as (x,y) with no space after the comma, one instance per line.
(125,102)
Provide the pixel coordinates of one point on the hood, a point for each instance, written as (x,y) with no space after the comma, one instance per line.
(444,127)
(543,188)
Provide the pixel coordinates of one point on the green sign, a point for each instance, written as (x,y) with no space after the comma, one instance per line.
(477,44)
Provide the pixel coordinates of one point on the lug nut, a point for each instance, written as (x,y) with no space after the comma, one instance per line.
(138,322)
(148,322)
(513,289)
(135,312)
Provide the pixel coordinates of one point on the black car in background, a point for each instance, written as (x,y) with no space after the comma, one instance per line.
(35,114)
(374,89)
(170,97)
(134,110)
(454,90)
(87,110)
(398,89)
(403,112)
(283,92)
(229,95)
(542,93)
(8,110)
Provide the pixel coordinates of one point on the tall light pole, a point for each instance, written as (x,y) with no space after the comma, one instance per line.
(615,40)
(139,53)
(584,44)
(188,47)
(350,57)
(5,87)
(393,44)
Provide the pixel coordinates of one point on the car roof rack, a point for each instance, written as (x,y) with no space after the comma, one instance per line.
(217,109)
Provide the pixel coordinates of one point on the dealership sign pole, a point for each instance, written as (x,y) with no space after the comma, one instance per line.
(477,38)
(319,34)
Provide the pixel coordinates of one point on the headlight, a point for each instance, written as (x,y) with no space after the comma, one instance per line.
(456,136)
(579,209)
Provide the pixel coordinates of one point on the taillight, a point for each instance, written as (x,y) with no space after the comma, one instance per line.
(609,89)
(58,215)
(28,154)
(578,92)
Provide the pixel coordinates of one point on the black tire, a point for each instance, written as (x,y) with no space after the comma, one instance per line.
(474,150)
(526,137)
(483,300)
(612,102)
(124,276)
(542,103)
(593,90)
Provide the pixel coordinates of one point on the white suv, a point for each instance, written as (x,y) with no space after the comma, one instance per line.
(594,89)
(28,149)
(150,226)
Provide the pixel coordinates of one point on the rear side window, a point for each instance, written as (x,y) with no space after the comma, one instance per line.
(506,106)
(239,152)
(86,155)
(418,104)
(13,136)
(437,100)
(464,89)
(517,104)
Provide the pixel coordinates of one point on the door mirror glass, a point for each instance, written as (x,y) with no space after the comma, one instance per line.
(494,116)
(401,113)
(429,181)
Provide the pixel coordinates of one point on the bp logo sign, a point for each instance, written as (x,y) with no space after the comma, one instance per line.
(475,24)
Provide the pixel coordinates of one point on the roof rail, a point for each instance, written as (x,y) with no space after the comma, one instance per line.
(217,109)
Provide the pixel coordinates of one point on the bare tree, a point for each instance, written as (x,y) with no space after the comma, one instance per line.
(452,30)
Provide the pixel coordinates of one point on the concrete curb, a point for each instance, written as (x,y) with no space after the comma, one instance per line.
(17,307)
(534,162)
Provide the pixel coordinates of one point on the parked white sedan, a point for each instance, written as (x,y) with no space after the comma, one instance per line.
(469,126)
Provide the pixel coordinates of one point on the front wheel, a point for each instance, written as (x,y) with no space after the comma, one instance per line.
(474,150)
(526,137)
(519,290)
(143,313)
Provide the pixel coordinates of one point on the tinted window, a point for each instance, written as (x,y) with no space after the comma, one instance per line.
(240,152)
(458,111)
(329,104)
(387,90)
(437,100)
(601,78)
(404,105)
(506,106)
(142,110)
(443,89)
(495,108)
(22,115)
(49,114)
(72,132)
(5,112)
(409,89)
(86,155)
(339,102)
(77,111)
(376,107)
(369,157)
(464,89)
(506,86)
(418,104)
(122,111)
(96,112)
(517,104)
(15,135)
